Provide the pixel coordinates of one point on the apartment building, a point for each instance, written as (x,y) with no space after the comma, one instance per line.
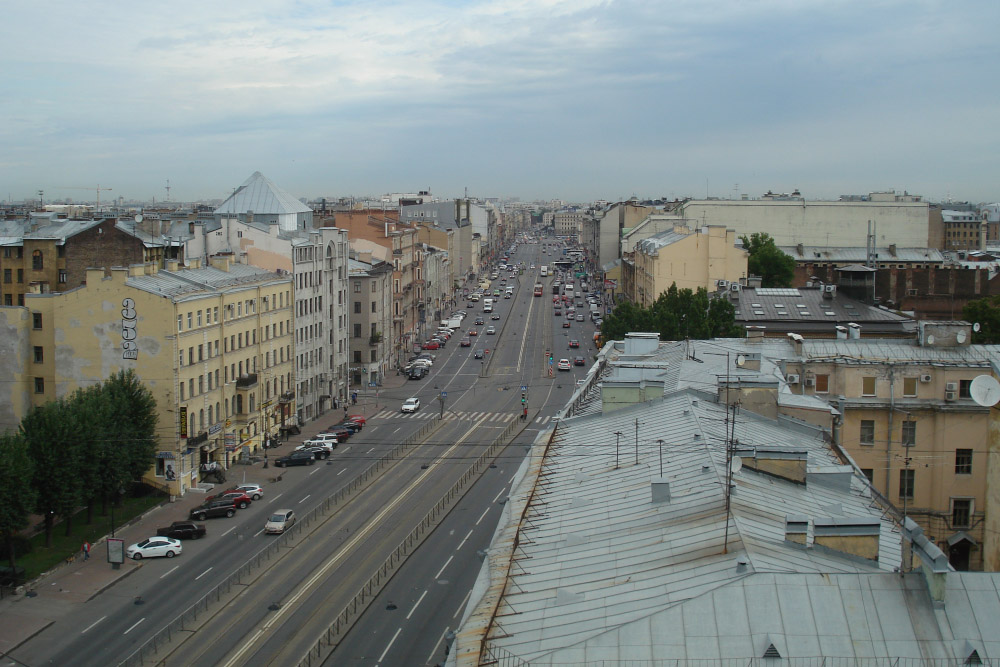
(371,297)
(214,345)
(963,230)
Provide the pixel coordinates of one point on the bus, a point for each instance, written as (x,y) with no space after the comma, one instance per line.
(544,271)
(538,289)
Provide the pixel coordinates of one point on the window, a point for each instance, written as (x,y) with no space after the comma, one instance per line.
(357,331)
(201,384)
(963,388)
(961,512)
(39,385)
(909,433)
(190,321)
(215,314)
(822,384)
(373,287)
(20,275)
(357,356)
(963,461)
(906,480)
(36,320)
(190,356)
(8,299)
(868,386)
(36,261)
(39,354)
(8,276)
(867,432)
(909,387)
(357,286)
(373,306)
(373,356)
(201,353)
(180,322)
(199,318)
(357,306)
(869,473)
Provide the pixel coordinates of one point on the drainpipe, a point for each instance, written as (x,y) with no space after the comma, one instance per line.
(888,442)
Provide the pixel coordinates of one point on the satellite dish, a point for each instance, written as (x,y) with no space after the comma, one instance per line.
(736,465)
(985,390)
(138,218)
(960,337)
(930,339)
(740,360)
(976,327)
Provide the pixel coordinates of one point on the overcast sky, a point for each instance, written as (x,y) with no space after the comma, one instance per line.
(538,99)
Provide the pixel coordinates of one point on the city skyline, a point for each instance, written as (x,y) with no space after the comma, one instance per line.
(578,100)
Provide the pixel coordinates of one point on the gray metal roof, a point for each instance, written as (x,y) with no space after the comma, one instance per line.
(859,254)
(602,573)
(62,228)
(807,305)
(190,282)
(260,195)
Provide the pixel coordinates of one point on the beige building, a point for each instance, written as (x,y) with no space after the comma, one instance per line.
(910,423)
(213,344)
(691,258)
(371,320)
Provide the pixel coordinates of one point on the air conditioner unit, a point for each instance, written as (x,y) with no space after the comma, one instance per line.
(810,381)
(722,283)
(793,378)
(829,288)
(734,287)
(951,386)
(950,395)
(925,378)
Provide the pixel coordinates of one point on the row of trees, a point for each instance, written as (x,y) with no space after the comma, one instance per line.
(76,451)
(677,314)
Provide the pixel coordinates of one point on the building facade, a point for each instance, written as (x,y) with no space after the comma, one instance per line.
(372,352)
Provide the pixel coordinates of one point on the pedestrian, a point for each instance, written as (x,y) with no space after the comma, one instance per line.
(86,550)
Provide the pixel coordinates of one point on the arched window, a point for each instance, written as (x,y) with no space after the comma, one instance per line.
(36,260)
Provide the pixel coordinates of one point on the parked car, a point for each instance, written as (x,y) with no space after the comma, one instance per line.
(579,361)
(182,530)
(303,458)
(239,498)
(153,547)
(564,365)
(417,374)
(339,431)
(255,491)
(322,439)
(431,345)
(319,452)
(360,419)
(279,522)
(411,405)
(211,509)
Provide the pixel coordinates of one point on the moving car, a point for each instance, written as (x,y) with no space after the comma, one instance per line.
(182,530)
(473,332)
(479,320)
(558,311)
(212,509)
(579,317)
(579,361)
(495,316)
(301,458)
(566,324)
(478,354)
(411,405)
(255,491)
(564,365)
(574,343)
(279,522)
(490,331)
(237,497)
(153,547)
(466,342)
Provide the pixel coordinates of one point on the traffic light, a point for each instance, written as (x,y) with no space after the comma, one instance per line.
(524,397)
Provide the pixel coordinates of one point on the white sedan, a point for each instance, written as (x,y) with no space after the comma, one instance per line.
(153,547)
(411,405)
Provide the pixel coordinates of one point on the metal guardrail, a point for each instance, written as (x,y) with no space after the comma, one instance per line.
(204,604)
(499,657)
(343,622)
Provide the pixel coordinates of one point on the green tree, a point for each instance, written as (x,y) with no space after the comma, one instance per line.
(986,312)
(51,432)
(17,497)
(133,417)
(677,314)
(766,260)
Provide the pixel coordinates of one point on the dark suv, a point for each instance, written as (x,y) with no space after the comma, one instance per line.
(213,508)
(182,530)
(299,458)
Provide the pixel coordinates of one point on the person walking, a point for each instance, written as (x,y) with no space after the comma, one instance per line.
(86,550)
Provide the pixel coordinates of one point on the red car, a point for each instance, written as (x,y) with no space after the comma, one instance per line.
(239,498)
(566,324)
(431,345)
(358,418)
(473,332)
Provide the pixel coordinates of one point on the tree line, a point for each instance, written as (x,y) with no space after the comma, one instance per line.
(76,451)
(677,314)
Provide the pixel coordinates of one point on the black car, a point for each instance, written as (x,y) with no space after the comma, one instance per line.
(182,530)
(418,373)
(348,425)
(319,453)
(212,509)
(299,458)
(579,361)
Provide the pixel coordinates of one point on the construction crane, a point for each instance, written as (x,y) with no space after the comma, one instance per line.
(99,189)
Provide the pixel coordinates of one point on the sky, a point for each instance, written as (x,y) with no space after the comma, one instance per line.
(537,99)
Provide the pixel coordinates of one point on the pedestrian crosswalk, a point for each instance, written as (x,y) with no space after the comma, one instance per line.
(487,417)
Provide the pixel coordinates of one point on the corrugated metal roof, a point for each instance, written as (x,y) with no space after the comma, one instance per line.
(178,284)
(859,254)
(807,305)
(260,195)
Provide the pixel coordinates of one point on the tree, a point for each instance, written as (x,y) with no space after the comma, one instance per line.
(677,314)
(17,497)
(51,432)
(986,312)
(766,260)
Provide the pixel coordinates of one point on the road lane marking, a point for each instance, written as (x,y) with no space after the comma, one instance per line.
(314,471)
(305,499)
(169,571)
(360,535)
(415,605)
(389,645)
(133,627)
(443,566)
(91,626)
(461,606)
(396,431)
(464,539)
(511,480)
(277,496)
(346,449)
(370,450)
(482,516)
(341,472)
(203,574)
(497,497)
(430,658)
(258,532)
(231,529)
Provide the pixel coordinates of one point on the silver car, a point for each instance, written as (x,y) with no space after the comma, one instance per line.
(279,522)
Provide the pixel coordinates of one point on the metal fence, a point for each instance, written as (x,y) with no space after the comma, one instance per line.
(346,618)
(184,622)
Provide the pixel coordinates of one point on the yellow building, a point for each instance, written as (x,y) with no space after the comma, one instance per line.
(691,258)
(213,344)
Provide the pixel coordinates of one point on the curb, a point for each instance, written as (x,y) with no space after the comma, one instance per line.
(127,573)
(24,640)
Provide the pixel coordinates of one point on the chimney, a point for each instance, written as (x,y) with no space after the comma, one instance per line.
(855,331)
(171,265)
(135,270)
(796,342)
(796,528)
(660,490)
(222,262)
(892,249)
(783,462)
(841,332)
(925,554)
(855,536)
(194,262)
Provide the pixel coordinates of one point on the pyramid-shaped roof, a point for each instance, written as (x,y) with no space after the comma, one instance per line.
(260,195)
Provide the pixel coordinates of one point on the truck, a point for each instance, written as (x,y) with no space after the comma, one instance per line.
(454,323)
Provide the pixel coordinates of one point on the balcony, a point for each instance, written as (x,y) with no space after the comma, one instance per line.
(375,339)
(246,381)
(287,397)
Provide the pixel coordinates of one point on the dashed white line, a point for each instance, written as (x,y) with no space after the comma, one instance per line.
(169,571)
(133,627)
(482,516)
(346,449)
(430,658)
(91,626)
(231,529)
(443,566)
(203,574)
(276,497)
(497,497)
(461,606)
(341,472)
(258,532)
(314,471)
(464,540)
(370,450)
(389,645)
(415,605)
(305,499)
(511,480)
